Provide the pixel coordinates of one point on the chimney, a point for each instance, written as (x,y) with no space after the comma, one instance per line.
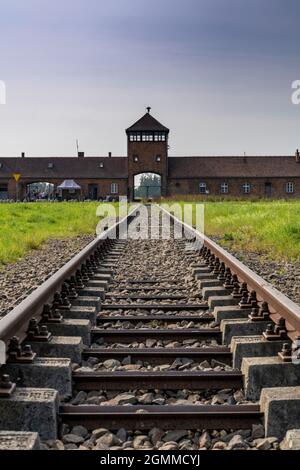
(80,154)
(109,154)
(297,156)
(23,155)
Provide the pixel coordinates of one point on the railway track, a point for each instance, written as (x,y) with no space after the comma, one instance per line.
(145,344)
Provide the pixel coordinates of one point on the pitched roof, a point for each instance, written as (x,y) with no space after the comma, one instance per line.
(147,123)
(238,166)
(69,184)
(64,167)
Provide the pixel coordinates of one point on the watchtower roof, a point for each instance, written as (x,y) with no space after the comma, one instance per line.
(147,123)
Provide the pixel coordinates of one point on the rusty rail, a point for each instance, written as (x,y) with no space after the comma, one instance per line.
(16,321)
(279,304)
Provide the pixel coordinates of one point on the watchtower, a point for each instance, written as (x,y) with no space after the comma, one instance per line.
(147,144)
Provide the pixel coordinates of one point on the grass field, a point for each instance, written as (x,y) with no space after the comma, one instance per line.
(27,226)
(267,227)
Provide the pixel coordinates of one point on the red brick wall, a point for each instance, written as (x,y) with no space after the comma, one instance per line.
(191,186)
(104,186)
(147,153)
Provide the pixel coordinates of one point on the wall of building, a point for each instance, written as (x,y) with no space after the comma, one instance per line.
(185,186)
(103,186)
(147,153)
(174,187)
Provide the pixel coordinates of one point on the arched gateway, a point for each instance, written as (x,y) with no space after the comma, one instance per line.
(147,186)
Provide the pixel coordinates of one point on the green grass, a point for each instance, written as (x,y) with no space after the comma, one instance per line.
(269,228)
(25,227)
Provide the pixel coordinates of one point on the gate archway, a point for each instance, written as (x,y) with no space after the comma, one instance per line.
(40,190)
(147,186)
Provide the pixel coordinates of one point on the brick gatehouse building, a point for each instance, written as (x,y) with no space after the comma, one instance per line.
(147,145)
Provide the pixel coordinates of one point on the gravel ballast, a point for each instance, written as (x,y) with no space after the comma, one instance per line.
(79,438)
(17,280)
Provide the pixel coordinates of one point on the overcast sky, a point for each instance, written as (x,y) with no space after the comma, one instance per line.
(218,73)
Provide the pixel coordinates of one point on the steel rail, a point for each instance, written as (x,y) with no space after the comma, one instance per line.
(15,322)
(279,304)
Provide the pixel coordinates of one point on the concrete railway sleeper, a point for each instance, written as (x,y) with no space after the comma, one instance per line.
(166,350)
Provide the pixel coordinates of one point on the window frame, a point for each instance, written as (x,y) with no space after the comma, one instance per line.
(248,185)
(290,187)
(114,188)
(201,186)
(224,188)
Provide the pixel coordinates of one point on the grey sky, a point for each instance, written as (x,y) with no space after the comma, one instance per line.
(218,73)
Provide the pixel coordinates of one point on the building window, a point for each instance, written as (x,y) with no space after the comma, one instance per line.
(114,188)
(135,158)
(134,137)
(147,137)
(202,188)
(289,187)
(159,136)
(101,164)
(158,158)
(246,188)
(50,165)
(224,188)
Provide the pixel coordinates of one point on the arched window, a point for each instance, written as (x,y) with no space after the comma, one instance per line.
(202,188)
(289,187)
(246,188)
(224,188)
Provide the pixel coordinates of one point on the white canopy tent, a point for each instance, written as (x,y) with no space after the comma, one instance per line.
(69,190)
(69,184)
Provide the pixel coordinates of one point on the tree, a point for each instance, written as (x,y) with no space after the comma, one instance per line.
(148,186)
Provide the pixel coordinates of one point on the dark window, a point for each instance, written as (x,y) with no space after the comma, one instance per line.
(202,188)
(246,188)
(114,188)
(289,187)
(268,189)
(4,191)
(224,188)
